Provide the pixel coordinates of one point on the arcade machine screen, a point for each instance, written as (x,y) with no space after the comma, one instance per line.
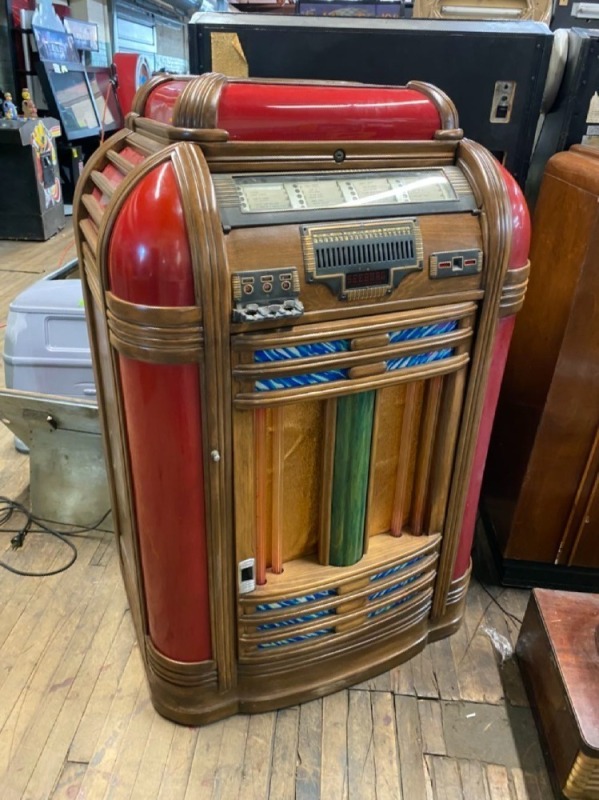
(74,103)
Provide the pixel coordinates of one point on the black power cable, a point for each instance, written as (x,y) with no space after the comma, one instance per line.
(8,508)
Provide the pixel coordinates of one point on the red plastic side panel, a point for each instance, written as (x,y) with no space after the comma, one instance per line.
(503,335)
(297,112)
(501,346)
(292,112)
(150,264)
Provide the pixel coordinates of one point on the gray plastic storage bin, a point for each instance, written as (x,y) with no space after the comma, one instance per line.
(46,348)
(46,351)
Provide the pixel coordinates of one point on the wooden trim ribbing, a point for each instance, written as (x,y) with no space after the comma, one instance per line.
(197,105)
(448,113)
(103,183)
(89,273)
(143,144)
(166,344)
(122,164)
(93,208)
(349,358)
(323,391)
(300,156)
(201,675)
(356,588)
(514,290)
(164,132)
(153,316)
(214,298)
(357,329)
(158,335)
(107,386)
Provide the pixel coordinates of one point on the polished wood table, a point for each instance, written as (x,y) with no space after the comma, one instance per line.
(558,650)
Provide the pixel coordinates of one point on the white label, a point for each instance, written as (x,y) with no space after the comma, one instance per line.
(593,112)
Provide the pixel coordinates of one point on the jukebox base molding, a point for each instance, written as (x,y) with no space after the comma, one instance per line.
(189,693)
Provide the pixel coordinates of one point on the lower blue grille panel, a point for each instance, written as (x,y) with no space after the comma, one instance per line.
(295,639)
(276,354)
(397,603)
(393,570)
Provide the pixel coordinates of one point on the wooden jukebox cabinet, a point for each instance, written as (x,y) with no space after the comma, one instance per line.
(300,298)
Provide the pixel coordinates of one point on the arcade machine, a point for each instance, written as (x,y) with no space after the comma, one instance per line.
(538,10)
(297,371)
(81,98)
(574,115)
(495,72)
(31,204)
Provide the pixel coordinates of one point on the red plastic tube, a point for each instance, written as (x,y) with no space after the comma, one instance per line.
(303,112)
(150,264)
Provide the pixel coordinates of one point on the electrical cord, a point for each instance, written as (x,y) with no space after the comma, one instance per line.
(8,508)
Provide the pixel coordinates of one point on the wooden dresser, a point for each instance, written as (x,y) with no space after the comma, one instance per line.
(540,499)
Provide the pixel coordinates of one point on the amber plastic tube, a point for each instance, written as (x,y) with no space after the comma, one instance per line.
(425,452)
(261,472)
(277,490)
(405,452)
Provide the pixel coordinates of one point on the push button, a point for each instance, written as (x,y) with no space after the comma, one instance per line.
(264,295)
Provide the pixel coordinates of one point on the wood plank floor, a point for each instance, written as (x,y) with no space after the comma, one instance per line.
(76,720)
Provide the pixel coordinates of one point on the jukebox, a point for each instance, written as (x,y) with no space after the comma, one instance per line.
(300,297)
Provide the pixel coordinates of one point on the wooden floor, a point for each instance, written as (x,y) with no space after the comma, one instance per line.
(76,719)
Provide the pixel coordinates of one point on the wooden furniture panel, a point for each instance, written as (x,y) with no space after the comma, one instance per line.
(540,484)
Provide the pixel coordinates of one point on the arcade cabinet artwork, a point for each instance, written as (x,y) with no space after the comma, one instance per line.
(33,207)
(44,158)
(300,298)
